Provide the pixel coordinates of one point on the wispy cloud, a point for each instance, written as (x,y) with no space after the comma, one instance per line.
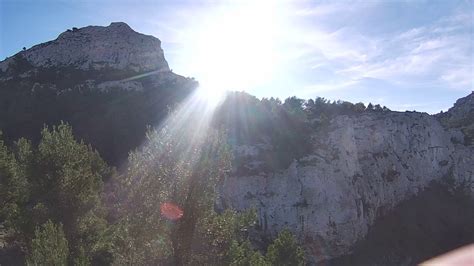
(437,53)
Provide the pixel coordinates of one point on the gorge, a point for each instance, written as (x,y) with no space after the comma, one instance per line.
(341,177)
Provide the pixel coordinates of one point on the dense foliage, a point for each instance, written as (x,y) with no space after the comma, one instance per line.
(284,251)
(49,247)
(59,180)
(460,116)
(114,121)
(285,127)
(61,204)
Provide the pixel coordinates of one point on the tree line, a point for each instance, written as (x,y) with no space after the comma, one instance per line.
(286,126)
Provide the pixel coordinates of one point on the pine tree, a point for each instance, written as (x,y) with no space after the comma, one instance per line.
(359,107)
(69,177)
(370,107)
(243,255)
(285,251)
(378,108)
(60,180)
(15,190)
(181,172)
(49,247)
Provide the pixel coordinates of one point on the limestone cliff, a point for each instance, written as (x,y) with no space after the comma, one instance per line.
(360,168)
(94,47)
(109,83)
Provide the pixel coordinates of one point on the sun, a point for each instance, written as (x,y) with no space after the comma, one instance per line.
(235,49)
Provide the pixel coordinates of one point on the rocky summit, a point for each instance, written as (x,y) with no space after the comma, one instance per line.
(109,74)
(116,46)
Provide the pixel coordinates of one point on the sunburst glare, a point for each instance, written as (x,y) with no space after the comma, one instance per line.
(235,49)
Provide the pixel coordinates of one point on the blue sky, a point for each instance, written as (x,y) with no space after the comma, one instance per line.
(407,55)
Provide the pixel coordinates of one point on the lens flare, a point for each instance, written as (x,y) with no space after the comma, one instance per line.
(171,211)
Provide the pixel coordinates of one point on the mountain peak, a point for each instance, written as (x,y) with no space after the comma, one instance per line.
(119,24)
(112,30)
(116,46)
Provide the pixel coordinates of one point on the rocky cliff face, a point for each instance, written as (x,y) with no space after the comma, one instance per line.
(94,47)
(461,117)
(91,58)
(109,83)
(360,168)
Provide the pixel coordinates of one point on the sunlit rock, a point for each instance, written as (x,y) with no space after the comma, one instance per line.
(116,46)
(109,83)
(360,169)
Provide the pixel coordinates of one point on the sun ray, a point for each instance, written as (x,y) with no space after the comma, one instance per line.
(234,48)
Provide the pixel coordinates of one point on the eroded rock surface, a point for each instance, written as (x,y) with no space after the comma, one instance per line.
(116,46)
(359,169)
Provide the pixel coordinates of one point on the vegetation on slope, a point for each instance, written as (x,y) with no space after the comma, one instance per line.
(285,127)
(61,204)
(461,116)
(113,121)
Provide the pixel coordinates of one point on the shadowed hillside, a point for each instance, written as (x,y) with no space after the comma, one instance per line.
(434,222)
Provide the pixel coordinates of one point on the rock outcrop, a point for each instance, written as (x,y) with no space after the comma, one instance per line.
(108,83)
(358,170)
(94,47)
(461,117)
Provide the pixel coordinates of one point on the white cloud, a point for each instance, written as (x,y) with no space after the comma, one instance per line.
(438,53)
(460,78)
